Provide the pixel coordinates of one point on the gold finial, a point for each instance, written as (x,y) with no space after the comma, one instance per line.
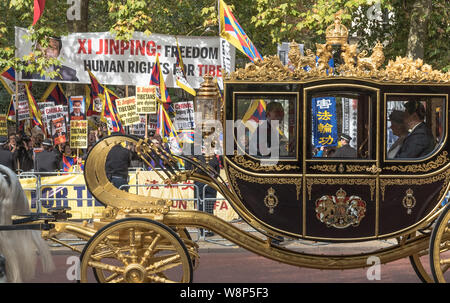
(337,33)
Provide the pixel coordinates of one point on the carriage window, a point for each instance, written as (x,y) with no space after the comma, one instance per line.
(340,125)
(414,126)
(266,126)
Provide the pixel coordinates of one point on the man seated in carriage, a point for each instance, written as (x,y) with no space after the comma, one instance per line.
(420,140)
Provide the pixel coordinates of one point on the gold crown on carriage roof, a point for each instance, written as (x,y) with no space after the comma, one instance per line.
(337,33)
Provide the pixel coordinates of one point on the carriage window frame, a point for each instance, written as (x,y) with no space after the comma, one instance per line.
(295,96)
(439,145)
(339,90)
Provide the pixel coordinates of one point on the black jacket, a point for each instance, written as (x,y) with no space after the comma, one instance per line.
(418,143)
(7,159)
(117,162)
(345,151)
(47,161)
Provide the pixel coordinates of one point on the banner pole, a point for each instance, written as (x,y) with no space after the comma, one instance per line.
(146,126)
(16,101)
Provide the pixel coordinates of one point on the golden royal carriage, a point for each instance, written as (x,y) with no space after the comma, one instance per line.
(364,198)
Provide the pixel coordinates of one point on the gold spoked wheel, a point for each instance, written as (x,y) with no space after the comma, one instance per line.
(440,247)
(417,261)
(136,250)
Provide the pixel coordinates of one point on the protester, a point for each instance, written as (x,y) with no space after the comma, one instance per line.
(47,160)
(6,156)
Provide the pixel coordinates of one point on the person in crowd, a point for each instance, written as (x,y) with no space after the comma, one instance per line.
(420,140)
(117,163)
(12,143)
(6,156)
(399,129)
(47,160)
(25,154)
(345,151)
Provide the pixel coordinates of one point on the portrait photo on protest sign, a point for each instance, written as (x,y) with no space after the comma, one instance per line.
(59,130)
(78,133)
(77,106)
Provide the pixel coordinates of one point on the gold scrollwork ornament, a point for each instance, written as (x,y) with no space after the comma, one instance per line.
(409,201)
(271,201)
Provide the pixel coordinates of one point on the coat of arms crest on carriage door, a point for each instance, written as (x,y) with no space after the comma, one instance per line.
(340,211)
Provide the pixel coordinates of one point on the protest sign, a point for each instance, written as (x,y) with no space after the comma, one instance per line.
(53,112)
(78,133)
(59,130)
(127,111)
(3,126)
(77,108)
(184,115)
(146,99)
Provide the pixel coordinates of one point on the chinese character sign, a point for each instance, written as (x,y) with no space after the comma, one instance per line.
(324,122)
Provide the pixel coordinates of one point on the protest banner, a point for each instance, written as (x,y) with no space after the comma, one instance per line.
(78,133)
(146,99)
(127,110)
(117,62)
(184,115)
(59,130)
(3,126)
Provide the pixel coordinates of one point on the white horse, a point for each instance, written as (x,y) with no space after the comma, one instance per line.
(19,247)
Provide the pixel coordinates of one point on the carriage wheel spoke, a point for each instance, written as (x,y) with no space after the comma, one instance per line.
(103,254)
(150,250)
(158,279)
(133,245)
(116,250)
(112,278)
(166,263)
(103,266)
(445,268)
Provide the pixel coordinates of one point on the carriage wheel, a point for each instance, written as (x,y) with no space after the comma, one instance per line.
(136,250)
(440,247)
(191,246)
(417,265)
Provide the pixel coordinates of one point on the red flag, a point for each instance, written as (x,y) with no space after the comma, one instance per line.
(38,10)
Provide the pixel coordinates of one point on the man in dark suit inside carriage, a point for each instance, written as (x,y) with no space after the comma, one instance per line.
(420,140)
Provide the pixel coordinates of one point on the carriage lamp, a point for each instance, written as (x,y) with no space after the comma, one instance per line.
(207,106)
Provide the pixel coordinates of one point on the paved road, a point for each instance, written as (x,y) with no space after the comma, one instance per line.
(240,266)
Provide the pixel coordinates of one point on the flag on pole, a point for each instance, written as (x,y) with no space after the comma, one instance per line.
(7,77)
(38,10)
(12,111)
(165,129)
(35,113)
(110,116)
(180,74)
(231,31)
(158,80)
(55,93)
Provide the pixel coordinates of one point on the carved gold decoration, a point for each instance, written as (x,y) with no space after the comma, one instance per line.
(441,160)
(356,65)
(239,159)
(409,201)
(372,63)
(374,169)
(341,168)
(356,168)
(341,181)
(340,211)
(336,33)
(328,168)
(234,174)
(271,201)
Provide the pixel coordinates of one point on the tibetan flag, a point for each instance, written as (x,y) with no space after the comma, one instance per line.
(11,111)
(255,113)
(158,80)
(180,74)
(186,136)
(55,94)
(165,129)
(8,77)
(35,113)
(68,163)
(38,10)
(109,115)
(231,31)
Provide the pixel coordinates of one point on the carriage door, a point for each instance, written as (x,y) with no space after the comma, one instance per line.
(414,156)
(340,196)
